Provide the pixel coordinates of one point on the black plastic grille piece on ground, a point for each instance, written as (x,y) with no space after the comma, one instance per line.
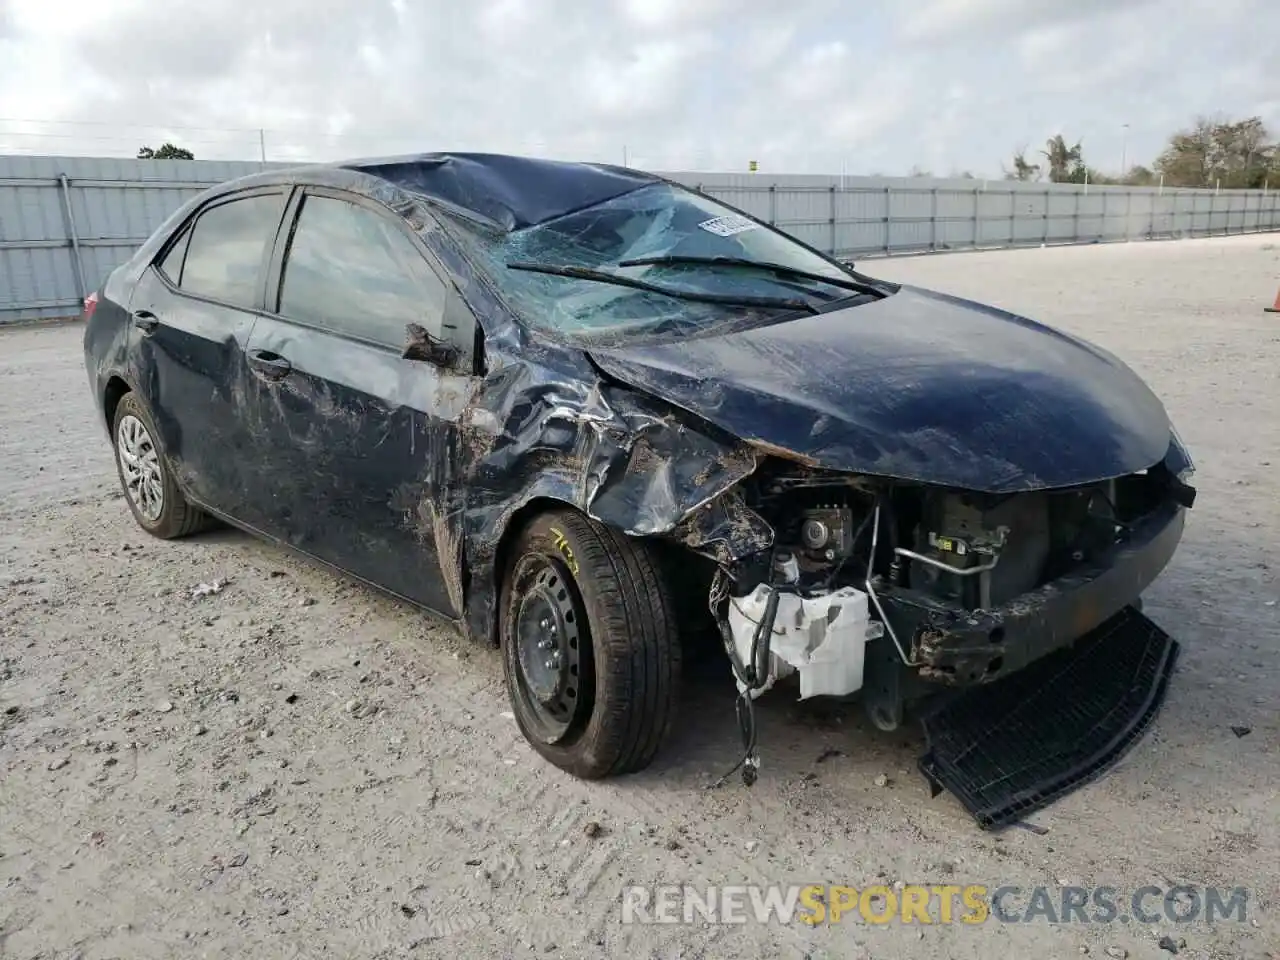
(1015,746)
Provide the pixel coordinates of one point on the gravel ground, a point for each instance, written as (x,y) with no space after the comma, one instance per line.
(298,766)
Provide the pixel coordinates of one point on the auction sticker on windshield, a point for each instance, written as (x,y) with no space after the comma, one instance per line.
(728,225)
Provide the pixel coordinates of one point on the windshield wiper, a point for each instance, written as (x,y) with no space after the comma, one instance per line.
(726,299)
(847,283)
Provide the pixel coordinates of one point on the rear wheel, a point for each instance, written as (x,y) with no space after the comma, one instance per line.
(148,482)
(590,646)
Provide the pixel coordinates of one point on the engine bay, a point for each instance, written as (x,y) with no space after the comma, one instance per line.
(966,550)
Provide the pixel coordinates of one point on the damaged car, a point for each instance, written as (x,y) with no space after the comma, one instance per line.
(590,415)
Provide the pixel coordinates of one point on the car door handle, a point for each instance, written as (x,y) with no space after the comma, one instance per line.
(268,364)
(145,320)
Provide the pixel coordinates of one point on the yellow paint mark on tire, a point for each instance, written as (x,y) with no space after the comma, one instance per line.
(562,544)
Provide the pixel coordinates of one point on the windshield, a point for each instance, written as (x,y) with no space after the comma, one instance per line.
(657,221)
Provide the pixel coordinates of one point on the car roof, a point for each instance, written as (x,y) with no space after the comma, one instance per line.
(510,190)
(507,191)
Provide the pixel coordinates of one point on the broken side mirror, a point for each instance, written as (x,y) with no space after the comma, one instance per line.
(420,345)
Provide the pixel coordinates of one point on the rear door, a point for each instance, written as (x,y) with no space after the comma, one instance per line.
(192,313)
(358,443)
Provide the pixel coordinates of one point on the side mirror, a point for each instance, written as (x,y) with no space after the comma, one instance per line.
(420,345)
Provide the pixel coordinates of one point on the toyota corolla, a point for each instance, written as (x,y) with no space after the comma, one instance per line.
(591,415)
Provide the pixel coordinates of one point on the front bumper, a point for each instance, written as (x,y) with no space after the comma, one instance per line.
(961,648)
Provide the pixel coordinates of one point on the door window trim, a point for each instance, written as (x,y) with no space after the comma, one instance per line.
(183,235)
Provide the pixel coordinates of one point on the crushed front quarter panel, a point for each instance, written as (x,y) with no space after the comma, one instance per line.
(543,424)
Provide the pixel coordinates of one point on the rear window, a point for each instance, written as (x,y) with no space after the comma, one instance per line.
(226,247)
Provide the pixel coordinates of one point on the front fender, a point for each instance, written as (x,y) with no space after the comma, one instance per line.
(534,433)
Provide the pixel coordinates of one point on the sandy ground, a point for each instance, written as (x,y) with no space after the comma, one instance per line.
(298,766)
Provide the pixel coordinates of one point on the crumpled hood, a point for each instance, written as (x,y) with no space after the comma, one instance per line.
(918,386)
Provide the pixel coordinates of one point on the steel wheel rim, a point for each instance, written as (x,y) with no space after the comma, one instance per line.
(546,658)
(140,467)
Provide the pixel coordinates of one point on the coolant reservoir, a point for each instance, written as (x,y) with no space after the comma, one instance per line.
(823,638)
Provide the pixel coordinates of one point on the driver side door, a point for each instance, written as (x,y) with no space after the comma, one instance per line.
(359,443)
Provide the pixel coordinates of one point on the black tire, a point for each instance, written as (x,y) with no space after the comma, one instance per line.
(616,615)
(176,517)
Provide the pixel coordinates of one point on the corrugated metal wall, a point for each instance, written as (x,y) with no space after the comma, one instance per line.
(59,239)
(66,222)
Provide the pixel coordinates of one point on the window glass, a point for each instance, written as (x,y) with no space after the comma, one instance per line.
(224,254)
(171,265)
(655,221)
(354,271)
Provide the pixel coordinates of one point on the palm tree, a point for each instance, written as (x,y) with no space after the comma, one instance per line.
(1064,161)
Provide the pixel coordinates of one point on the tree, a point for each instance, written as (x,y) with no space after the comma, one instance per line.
(1188,159)
(1139,176)
(1066,164)
(167,151)
(1215,151)
(1022,169)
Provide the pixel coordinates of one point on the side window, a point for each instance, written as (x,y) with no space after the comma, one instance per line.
(171,265)
(355,272)
(225,249)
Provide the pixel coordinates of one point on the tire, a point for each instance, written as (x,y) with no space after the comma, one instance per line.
(173,516)
(596,600)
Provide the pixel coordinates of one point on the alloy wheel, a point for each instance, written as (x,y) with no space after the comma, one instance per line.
(140,467)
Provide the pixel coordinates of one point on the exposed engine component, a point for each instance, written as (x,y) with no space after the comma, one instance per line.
(822,528)
(823,638)
(892,590)
(827,532)
(978,554)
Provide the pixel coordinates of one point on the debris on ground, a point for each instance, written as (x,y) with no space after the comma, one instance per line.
(59,763)
(882,781)
(1168,944)
(593,829)
(360,709)
(1035,828)
(828,753)
(1118,953)
(1241,731)
(210,588)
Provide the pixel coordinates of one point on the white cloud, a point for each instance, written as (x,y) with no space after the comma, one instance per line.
(803,86)
(676,14)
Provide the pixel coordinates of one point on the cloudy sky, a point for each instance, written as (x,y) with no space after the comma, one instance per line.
(874,86)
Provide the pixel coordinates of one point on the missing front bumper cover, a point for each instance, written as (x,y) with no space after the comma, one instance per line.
(1013,747)
(966,647)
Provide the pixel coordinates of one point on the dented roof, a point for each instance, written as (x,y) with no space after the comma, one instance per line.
(509,192)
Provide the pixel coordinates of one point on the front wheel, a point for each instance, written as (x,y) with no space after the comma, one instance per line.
(590,645)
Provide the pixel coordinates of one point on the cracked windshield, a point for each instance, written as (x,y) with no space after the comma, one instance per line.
(657,259)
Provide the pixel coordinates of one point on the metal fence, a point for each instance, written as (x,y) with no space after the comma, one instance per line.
(66,222)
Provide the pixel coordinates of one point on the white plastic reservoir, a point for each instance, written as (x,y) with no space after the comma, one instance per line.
(823,638)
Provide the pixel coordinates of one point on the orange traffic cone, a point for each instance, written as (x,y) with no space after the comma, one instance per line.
(1276,308)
